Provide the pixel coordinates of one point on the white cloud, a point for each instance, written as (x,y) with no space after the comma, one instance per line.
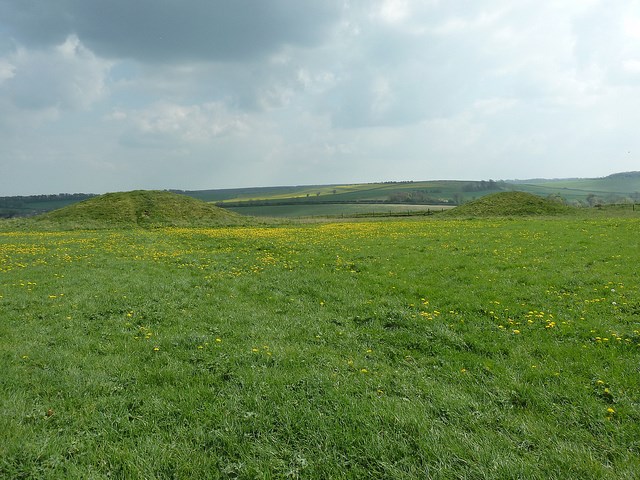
(459,25)
(394,11)
(491,106)
(315,82)
(167,122)
(632,65)
(7,70)
(382,97)
(632,27)
(67,76)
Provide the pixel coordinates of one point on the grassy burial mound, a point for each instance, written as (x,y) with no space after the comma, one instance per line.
(141,208)
(506,204)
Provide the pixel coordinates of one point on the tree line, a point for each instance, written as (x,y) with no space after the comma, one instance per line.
(26,205)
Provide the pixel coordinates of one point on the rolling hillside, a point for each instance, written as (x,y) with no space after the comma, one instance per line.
(423,192)
(617,188)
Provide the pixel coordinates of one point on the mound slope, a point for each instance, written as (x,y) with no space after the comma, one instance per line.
(504,204)
(141,208)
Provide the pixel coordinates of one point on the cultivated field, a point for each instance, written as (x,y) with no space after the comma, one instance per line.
(337,210)
(421,348)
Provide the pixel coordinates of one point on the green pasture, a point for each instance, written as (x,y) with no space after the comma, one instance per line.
(617,183)
(334,210)
(442,189)
(421,348)
(616,188)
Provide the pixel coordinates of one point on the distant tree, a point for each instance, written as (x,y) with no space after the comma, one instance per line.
(482,185)
(555,197)
(593,200)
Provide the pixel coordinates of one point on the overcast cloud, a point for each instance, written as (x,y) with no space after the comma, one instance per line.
(102,96)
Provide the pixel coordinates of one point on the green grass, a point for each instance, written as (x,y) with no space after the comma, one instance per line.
(144,208)
(400,349)
(328,210)
(376,192)
(504,204)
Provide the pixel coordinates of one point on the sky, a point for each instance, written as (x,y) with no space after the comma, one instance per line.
(99,96)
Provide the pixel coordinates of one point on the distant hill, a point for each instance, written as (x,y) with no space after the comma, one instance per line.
(504,204)
(143,208)
(625,175)
(618,188)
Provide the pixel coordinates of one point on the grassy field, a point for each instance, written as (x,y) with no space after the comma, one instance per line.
(421,348)
(620,188)
(625,184)
(328,210)
(617,183)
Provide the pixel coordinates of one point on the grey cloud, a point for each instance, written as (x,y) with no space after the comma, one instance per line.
(148,30)
(211,94)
